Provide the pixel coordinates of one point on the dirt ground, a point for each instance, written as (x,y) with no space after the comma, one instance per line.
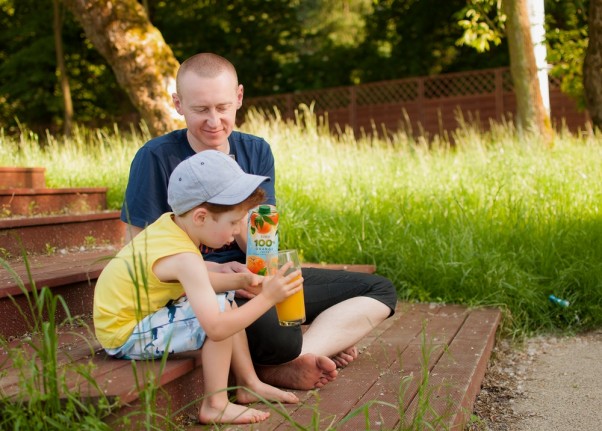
(547,384)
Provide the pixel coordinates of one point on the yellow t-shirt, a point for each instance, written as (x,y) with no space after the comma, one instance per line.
(121,299)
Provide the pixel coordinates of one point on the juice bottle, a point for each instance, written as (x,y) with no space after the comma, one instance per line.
(262,240)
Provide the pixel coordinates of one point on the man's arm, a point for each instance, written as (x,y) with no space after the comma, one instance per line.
(131,231)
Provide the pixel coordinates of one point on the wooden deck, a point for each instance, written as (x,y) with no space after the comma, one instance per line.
(454,341)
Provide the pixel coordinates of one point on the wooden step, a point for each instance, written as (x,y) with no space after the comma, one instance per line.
(453,343)
(180,379)
(36,201)
(22,177)
(51,233)
(71,275)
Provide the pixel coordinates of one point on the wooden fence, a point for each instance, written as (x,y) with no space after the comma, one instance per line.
(424,106)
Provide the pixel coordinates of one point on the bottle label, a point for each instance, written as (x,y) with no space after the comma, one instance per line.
(262,239)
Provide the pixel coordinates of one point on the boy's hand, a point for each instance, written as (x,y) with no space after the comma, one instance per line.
(279,286)
(253,286)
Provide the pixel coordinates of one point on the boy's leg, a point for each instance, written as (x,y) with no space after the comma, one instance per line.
(175,329)
(215,407)
(251,388)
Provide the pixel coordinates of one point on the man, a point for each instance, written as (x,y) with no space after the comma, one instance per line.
(341,306)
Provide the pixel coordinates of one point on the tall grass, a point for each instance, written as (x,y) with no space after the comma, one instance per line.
(496,219)
(44,399)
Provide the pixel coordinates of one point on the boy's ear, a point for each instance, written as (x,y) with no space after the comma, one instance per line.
(199,215)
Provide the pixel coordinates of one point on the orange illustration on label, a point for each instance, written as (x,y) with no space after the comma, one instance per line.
(262,240)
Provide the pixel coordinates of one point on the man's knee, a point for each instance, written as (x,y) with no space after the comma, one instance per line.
(272,344)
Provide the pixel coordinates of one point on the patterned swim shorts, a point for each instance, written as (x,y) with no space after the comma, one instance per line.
(173,329)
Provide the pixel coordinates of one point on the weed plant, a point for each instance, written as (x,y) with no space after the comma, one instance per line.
(495,219)
(42,397)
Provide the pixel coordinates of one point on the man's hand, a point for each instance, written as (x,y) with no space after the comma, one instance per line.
(253,282)
(229,267)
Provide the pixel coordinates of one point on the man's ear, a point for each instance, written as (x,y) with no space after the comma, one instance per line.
(239,95)
(177,103)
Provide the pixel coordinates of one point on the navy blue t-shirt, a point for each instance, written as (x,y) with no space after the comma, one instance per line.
(146,192)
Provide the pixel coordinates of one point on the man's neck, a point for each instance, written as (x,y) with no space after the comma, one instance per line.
(198,146)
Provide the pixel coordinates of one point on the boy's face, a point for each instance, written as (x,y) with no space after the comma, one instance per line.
(209,107)
(221,228)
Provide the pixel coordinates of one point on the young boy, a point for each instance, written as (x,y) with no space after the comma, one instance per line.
(156,297)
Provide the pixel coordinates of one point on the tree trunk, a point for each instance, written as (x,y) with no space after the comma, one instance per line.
(592,64)
(62,70)
(143,63)
(530,110)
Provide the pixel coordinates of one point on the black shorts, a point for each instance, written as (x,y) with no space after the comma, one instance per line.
(272,344)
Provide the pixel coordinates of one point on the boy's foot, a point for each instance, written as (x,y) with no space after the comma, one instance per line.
(230,414)
(265,391)
(344,358)
(306,372)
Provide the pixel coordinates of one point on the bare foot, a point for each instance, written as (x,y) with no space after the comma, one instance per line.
(265,391)
(344,358)
(230,414)
(306,372)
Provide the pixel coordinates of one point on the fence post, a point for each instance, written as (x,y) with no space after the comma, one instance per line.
(421,100)
(499,94)
(290,109)
(353,109)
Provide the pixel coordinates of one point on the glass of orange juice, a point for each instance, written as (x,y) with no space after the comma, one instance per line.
(291,311)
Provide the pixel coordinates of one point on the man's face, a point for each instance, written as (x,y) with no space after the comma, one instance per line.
(209,107)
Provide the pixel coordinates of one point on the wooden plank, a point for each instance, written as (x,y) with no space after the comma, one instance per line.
(22,177)
(355,379)
(401,377)
(56,269)
(456,379)
(370,269)
(36,234)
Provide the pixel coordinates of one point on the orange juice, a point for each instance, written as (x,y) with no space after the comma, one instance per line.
(262,239)
(291,311)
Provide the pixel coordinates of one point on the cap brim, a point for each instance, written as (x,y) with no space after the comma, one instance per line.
(239,190)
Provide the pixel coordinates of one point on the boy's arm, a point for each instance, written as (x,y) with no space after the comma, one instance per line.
(223,282)
(190,270)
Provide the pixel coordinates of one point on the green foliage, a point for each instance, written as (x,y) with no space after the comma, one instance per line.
(277,46)
(483,24)
(415,38)
(29,89)
(567,39)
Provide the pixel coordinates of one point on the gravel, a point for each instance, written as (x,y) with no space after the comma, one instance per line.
(547,383)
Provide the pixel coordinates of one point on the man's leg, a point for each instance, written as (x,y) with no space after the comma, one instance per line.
(270,343)
(275,353)
(343,325)
(343,307)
